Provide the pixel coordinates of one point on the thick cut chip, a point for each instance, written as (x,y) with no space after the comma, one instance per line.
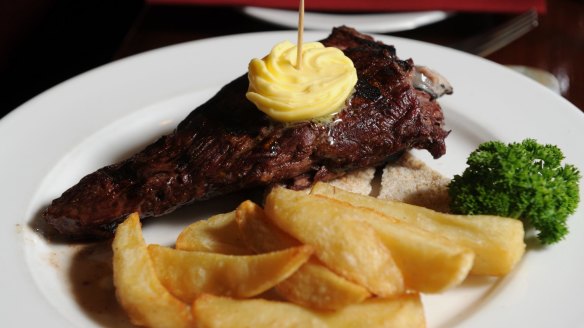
(221,312)
(258,233)
(344,243)
(498,243)
(187,274)
(405,311)
(218,234)
(138,289)
(428,262)
(313,285)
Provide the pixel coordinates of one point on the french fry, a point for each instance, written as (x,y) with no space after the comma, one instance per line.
(346,245)
(498,242)
(212,311)
(428,262)
(218,234)
(313,285)
(138,289)
(405,311)
(258,233)
(187,274)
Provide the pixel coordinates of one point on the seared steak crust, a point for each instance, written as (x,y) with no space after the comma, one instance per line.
(227,144)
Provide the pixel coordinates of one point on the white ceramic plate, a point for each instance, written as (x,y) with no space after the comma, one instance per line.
(366,22)
(101,116)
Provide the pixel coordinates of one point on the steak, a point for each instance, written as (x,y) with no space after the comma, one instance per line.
(227,144)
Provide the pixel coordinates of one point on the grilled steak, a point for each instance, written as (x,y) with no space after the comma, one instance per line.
(227,144)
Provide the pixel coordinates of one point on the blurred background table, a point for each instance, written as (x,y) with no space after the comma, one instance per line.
(43,43)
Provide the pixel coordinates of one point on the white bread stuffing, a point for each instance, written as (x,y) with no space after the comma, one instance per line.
(358,181)
(412,181)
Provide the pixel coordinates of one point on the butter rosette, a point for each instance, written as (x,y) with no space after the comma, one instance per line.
(286,93)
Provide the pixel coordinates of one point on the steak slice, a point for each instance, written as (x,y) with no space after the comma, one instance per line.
(227,144)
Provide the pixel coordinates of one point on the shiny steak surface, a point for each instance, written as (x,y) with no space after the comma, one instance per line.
(227,144)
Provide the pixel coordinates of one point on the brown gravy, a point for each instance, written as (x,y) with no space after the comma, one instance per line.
(91,277)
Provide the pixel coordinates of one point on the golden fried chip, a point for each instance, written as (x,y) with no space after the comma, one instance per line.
(187,274)
(221,312)
(218,234)
(498,243)
(428,262)
(404,311)
(138,289)
(344,243)
(257,232)
(313,285)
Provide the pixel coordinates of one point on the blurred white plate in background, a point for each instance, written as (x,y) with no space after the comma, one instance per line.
(366,22)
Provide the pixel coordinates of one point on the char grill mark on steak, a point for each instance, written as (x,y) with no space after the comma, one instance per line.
(227,144)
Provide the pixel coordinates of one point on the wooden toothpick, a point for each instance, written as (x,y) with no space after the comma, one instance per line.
(300,35)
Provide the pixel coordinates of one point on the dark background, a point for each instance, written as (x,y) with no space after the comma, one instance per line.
(44,42)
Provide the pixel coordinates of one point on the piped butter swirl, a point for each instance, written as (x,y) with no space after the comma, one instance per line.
(288,94)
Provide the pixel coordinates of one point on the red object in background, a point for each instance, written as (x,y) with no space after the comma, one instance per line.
(499,6)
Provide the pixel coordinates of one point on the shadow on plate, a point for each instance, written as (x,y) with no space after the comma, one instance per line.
(91,278)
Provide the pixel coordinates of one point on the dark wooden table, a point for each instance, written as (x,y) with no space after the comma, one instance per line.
(75,37)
